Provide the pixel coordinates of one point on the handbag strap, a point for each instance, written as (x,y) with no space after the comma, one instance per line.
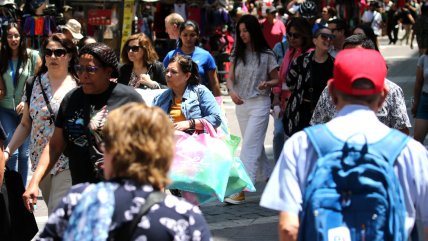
(48,104)
(126,232)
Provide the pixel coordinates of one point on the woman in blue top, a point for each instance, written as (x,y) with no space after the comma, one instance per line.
(188,45)
(186,101)
(17,63)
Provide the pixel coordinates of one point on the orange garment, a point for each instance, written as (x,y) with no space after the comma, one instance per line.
(175,112)
(38,25)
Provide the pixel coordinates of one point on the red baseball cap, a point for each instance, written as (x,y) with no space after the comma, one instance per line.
(358,63)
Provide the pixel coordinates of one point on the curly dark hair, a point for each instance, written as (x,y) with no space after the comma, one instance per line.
(104,54)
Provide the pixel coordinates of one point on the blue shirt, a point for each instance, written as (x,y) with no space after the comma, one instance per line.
(197,102)
(201,57)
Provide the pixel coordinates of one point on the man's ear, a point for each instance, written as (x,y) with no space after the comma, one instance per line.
(332,93)
(383,95)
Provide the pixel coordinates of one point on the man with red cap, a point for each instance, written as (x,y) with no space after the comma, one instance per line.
(358,90)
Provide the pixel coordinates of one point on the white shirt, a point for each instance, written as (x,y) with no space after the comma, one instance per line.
(287,183)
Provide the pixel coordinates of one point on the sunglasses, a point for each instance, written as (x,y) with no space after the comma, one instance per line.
(293,35)
(88,69)
(56,52)
(134,49)
(326,36)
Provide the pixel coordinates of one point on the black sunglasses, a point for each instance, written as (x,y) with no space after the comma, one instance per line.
(293,35)
(133,48)
(327,36)
(88,69)
(56,52)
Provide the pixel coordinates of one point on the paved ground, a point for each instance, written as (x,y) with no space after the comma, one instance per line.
(251,222)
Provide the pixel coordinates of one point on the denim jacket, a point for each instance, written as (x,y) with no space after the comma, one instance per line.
(198,102)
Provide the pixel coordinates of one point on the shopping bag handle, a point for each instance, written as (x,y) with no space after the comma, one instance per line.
(209,128)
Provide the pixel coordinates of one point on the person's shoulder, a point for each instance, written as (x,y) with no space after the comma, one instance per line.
(199,50)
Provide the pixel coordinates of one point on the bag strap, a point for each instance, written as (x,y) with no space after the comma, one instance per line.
(323,140)
(128,231)
(390,146)
(48,104)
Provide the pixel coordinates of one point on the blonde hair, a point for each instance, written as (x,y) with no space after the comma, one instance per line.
(174,18)
(141,141)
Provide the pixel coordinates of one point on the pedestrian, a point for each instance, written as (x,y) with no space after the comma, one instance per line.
(172,25)
(85,40)
(44,94)
(81,117)
(420,29)
(407,22)
(366,31)
(72,29)
(299,39)
(358,90)
(188,45)
(2,159)
(253,72)
(307,77)
(273,29)
(392,24)
(138,156)
(339,28)
(141,68)
(17,63)
(186,101)
(393,112)
(420,99)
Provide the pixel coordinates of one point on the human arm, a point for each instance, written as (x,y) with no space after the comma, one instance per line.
(2,88)
(2,157)
(230,83)
(288,226)
(48,158)
(213,82)
(417,90)
(20,134)
(272,82)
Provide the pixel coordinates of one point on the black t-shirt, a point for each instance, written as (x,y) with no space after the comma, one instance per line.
(321,73)
(2,133)
(71,118)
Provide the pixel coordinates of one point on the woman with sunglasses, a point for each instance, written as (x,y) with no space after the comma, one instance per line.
(299,38)
(17,63)
(188,45)
(43,98)
(253,72)
(307,77)
(141,68)
(81,117)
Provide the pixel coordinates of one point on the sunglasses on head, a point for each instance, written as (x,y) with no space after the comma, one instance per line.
(293,35)
(56,52)
(88,69)
(134,48)
(327,36)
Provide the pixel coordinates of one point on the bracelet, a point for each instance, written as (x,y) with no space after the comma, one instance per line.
(192,123)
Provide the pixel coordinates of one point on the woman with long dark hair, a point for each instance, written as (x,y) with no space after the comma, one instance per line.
(43,98)
(17,63)
(253,72)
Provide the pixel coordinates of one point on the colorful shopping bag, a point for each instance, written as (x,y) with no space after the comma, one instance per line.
(201,164)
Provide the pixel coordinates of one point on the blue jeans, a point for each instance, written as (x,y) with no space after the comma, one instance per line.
(19,159)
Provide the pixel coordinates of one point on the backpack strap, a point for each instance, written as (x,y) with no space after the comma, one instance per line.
(323,140)
(390,146)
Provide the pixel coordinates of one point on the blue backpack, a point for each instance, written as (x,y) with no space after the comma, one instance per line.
(352,192)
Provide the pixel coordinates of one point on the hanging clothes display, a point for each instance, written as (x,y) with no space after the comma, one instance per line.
(37,28)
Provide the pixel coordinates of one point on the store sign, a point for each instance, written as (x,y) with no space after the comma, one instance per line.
(99,17)
(128,8)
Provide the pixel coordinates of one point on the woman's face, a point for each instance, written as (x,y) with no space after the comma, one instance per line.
(93,77)
(56,57)
(135,51)
(323,40)
(175,77)
(359,31)
(324,14)
(13,38)
(189,37)
(244,34)
(295,38)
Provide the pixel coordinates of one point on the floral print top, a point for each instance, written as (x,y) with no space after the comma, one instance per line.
(42,127)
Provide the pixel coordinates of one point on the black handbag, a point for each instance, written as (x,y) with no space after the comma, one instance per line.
(16,222)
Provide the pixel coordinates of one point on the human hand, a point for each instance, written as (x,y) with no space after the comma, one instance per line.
(182,125)
(30,197)
(20,108)
(236,98)
(414,109)
(263,85)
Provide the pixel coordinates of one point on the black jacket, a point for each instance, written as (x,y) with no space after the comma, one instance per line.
(156,72)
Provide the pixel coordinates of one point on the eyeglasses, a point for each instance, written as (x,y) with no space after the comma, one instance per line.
(88,69)
(134,48)
(293,35)
(56,52)
(326,36)
(12,36)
